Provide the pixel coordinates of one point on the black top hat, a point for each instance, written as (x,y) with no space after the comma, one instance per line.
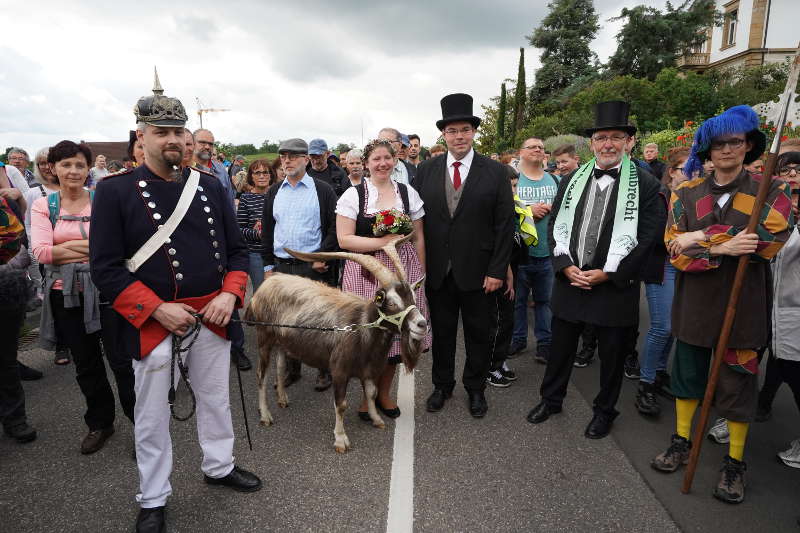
(611,116)
(456,108)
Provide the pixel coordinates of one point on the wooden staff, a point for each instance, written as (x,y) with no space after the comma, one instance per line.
(730,313)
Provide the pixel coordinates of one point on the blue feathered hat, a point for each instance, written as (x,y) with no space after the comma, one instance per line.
(738,119)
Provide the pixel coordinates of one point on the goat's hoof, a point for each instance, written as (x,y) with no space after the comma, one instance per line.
(379,424)
(266,421)
(342,445)
(283,404)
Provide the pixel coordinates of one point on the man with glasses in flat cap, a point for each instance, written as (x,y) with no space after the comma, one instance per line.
(161,283)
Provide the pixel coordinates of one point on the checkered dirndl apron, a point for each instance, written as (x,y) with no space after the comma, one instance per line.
(358,280)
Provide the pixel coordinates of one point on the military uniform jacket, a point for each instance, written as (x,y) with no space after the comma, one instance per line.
(204,256)
(614,303)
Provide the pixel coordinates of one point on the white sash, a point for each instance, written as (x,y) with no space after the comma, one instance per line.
(164,232)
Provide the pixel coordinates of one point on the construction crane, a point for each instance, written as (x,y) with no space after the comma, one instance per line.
(201,110)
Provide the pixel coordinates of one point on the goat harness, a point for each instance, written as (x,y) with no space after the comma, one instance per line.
(395,318)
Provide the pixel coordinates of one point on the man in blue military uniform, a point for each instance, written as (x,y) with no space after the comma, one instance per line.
(157,279)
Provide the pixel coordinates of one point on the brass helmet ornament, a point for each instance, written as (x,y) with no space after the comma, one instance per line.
(160,110)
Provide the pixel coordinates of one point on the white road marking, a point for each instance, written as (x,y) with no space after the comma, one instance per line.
(401,487)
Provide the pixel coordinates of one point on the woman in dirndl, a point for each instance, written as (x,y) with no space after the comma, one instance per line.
(355,219)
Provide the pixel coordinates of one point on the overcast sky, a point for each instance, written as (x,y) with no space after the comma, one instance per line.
(291,69)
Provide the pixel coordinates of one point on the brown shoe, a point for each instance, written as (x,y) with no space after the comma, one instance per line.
(95,440)
(323,381)
(731,482)
(676,455)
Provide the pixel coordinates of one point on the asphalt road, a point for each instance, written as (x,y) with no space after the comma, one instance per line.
(495,474)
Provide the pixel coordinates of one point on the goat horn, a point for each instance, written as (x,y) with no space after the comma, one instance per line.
(376,268)
(391,250)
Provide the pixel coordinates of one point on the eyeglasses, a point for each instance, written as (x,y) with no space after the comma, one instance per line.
(678,168)
(788,170)
(731,143)
(291,157)
(602,139)
(463,131)
(535,147)
(261,173)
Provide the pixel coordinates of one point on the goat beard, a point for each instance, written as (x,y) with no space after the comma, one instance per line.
(410,349)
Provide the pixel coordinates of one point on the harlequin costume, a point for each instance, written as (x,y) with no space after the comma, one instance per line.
(703,286)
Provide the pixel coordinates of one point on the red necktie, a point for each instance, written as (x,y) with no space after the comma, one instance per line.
(456,175)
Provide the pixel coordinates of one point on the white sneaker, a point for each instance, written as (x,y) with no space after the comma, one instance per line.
(719,432)
(791,457)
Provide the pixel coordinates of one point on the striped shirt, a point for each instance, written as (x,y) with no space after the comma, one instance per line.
(251,207)
(296,214)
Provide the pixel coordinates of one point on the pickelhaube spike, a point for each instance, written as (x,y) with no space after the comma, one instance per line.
(157,89)
(159,109)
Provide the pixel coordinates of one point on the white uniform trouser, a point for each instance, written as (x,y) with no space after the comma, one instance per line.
(209,367)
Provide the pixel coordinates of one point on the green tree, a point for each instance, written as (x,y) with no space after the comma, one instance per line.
(564,37)
(500,136)
(268,146)
(651,40)
(520,92)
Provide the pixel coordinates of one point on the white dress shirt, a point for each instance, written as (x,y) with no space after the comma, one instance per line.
(463,170)
(607,180)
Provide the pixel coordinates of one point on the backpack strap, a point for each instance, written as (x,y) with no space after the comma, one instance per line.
(54,206)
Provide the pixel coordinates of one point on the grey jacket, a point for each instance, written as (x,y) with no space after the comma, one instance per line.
(786,300)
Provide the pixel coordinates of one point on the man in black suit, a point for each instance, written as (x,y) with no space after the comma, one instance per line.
(469,228)
(604,221)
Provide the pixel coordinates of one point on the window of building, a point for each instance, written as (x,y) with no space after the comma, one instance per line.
(731,24)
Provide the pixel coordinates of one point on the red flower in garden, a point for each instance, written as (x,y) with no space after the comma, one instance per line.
(689,123)
(681,137)
(388,220)
(784,137)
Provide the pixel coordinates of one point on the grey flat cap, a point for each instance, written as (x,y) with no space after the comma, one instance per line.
(295,146)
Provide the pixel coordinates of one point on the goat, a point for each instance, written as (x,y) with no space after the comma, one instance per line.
(362,353)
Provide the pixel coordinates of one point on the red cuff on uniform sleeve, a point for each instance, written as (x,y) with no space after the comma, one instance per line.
(136,303)
(235,282)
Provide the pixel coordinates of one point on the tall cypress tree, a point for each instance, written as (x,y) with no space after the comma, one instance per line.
(520,94)
(500,138)
(564,37)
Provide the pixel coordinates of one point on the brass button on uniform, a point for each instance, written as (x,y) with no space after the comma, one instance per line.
(176,264)
(151,205)
(216,255)
(157,216)
(146,194)
(172,251)
(142,184)
(179,276)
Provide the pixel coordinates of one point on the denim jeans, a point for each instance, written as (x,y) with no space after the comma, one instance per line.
(256,270)
(659,337)
(536,276)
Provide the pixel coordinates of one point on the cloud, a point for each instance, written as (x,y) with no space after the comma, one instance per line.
(308,69)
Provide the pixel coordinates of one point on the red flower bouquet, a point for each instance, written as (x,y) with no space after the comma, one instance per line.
(391,221)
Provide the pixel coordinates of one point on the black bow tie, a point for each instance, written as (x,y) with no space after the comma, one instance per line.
(599,173)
